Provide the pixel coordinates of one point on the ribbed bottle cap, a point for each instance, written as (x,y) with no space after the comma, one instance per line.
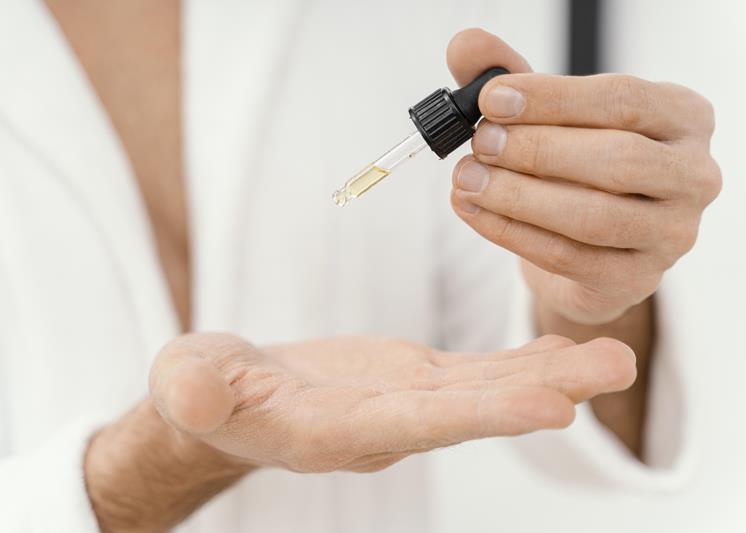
(446,120)
(441,123)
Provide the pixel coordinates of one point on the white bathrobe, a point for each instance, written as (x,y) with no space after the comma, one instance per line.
(283,100)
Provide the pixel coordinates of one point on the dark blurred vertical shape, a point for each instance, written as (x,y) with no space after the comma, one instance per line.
(584,33)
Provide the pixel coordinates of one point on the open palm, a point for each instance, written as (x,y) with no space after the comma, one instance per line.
(361,404)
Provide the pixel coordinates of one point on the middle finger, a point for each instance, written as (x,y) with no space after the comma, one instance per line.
(611,160)
(586,215)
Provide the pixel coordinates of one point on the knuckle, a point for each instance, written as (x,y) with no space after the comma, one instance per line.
(687,237)
(704,178)
(511,193)
(669,162)
(635,223)
(624,164)
(628,100)
(533,147)
(590,224)
(706,113)
(702,110)
(501,230)
(556,96)
(679,237)
(612,221)
(561,254)
(686,172)
(711,180)
(629,162)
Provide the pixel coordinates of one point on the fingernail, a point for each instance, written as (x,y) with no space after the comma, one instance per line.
(504,102)
(490,138)
(463,204)
(473,177)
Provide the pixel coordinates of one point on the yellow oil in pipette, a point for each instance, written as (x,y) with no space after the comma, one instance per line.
(359,183)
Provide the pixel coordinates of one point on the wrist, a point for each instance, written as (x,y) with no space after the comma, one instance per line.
(564,300)
(583,328)
(587,307)
(143,474)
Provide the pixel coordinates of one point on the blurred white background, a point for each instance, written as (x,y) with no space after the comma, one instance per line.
(702,45)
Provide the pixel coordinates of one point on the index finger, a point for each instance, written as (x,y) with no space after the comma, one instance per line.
(660,111)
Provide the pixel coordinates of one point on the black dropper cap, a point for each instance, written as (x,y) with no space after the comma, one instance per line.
(446,119)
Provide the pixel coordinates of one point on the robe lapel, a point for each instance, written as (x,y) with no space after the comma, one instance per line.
(46,101)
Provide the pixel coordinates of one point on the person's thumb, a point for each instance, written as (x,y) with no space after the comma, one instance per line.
(471,52)
(187,387)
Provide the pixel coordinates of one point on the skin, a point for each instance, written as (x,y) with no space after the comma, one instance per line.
(220,408)
(598,183)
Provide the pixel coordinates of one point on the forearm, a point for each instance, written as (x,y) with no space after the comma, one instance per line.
(622,412)
(143,475)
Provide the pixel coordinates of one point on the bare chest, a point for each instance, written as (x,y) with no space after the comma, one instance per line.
(130,52)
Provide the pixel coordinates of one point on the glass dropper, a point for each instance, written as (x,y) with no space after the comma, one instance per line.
(380,168)
(445,120)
